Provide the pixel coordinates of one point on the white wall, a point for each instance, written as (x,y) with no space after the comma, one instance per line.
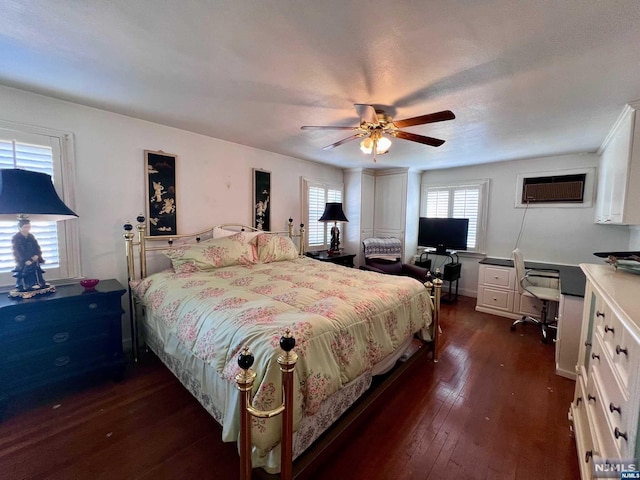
(213,177)
(552,235)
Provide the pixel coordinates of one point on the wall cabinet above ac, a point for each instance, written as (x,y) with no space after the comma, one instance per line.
(618,194)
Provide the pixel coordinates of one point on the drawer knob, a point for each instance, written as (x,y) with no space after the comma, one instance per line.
(61,337)
(619,434)
(587,344)
(599,314)
(608,329)
(62,361)
(594,356)
(20,318)
(613,408)
(591,398)
(578,401)
(588,455)
(620,350)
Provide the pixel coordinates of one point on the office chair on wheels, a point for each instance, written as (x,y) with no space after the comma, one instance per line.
(535,283)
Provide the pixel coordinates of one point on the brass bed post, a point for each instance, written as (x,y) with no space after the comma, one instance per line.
(434,287)
(244,382)
(141,245)
(301,235)
(131,275)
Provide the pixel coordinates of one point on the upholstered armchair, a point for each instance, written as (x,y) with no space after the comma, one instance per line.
(383,255)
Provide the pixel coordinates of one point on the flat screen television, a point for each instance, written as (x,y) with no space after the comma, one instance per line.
(443,233)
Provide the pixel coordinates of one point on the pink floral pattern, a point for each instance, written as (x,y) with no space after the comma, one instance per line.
(343,322)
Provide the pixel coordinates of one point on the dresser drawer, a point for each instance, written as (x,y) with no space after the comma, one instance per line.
(497,276)
(584,441)
(33,343)
(56,363)
(495,298)
(31,317)
(605,446)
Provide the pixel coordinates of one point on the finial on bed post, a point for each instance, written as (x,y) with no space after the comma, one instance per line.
(437,284)
(287,361)
(244,382)
(302,240)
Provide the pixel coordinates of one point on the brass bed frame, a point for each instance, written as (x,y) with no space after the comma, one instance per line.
(144,244)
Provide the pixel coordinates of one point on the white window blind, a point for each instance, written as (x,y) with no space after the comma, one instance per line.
(37,158)
(458,201)
(317,195)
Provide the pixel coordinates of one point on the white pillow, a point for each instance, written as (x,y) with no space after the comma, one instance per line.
(222,233)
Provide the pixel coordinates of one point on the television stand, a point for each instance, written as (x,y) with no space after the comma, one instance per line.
(451,271)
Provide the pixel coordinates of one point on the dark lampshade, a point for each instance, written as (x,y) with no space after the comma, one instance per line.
(333,213)
(30,194)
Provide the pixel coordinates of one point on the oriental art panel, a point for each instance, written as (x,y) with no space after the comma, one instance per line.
(161,203)
(261,199)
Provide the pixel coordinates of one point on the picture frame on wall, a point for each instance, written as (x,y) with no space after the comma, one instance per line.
(161,201)
(261,199)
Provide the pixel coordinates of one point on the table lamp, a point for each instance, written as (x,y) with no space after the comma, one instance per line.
(26,196)
(333,213)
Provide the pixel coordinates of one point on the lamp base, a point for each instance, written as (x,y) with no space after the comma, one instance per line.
(31,293)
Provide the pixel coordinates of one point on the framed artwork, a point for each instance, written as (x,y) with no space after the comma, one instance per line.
(261,199)
(161,203)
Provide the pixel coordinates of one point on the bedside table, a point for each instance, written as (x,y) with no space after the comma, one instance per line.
(59,336)
(344,259)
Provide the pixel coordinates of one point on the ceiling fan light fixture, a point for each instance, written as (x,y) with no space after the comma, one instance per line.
(383,145)
(366,145)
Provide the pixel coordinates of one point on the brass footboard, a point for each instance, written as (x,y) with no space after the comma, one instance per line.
(244,381)
(287,361)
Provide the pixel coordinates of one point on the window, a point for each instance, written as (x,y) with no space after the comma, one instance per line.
(45,151)
(466,200)
(316,195)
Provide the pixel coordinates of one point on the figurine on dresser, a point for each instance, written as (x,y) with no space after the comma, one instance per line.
(28,257)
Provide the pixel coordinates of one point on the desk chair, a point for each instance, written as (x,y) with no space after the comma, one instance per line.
(531,283)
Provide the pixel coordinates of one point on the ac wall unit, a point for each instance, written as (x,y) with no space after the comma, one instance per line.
(554,189)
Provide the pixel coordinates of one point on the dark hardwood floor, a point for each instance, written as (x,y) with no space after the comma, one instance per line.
(492,409)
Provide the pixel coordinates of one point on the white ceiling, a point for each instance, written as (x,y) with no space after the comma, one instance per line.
(525,78)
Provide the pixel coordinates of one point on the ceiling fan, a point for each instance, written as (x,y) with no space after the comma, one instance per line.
(376,127)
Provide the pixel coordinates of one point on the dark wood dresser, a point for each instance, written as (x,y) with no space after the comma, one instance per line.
(59,336)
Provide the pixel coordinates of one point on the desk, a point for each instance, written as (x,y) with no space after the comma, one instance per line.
(344,259)
(498,295)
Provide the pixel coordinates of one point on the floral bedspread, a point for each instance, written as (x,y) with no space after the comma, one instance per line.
(344,321)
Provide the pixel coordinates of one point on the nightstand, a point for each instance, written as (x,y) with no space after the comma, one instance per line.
(59,336)
(344,259)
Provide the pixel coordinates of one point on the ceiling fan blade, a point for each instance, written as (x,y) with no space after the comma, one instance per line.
(422,119)
(344,140)
(367,113)
(325,127)
(434,142)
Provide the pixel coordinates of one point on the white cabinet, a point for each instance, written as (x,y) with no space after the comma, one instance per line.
(382,203)
(606,405)
(496,290)
(618,193)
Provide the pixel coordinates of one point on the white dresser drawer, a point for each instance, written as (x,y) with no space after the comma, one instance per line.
(497,276)
(605,446)
(626,355)
(495,298)
(584,442)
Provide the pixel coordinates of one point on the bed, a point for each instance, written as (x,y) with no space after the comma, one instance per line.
(235,288)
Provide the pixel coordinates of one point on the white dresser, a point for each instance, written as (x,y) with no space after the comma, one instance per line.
(606,403)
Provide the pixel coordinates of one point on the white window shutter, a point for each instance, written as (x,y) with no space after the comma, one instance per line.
(38,158)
